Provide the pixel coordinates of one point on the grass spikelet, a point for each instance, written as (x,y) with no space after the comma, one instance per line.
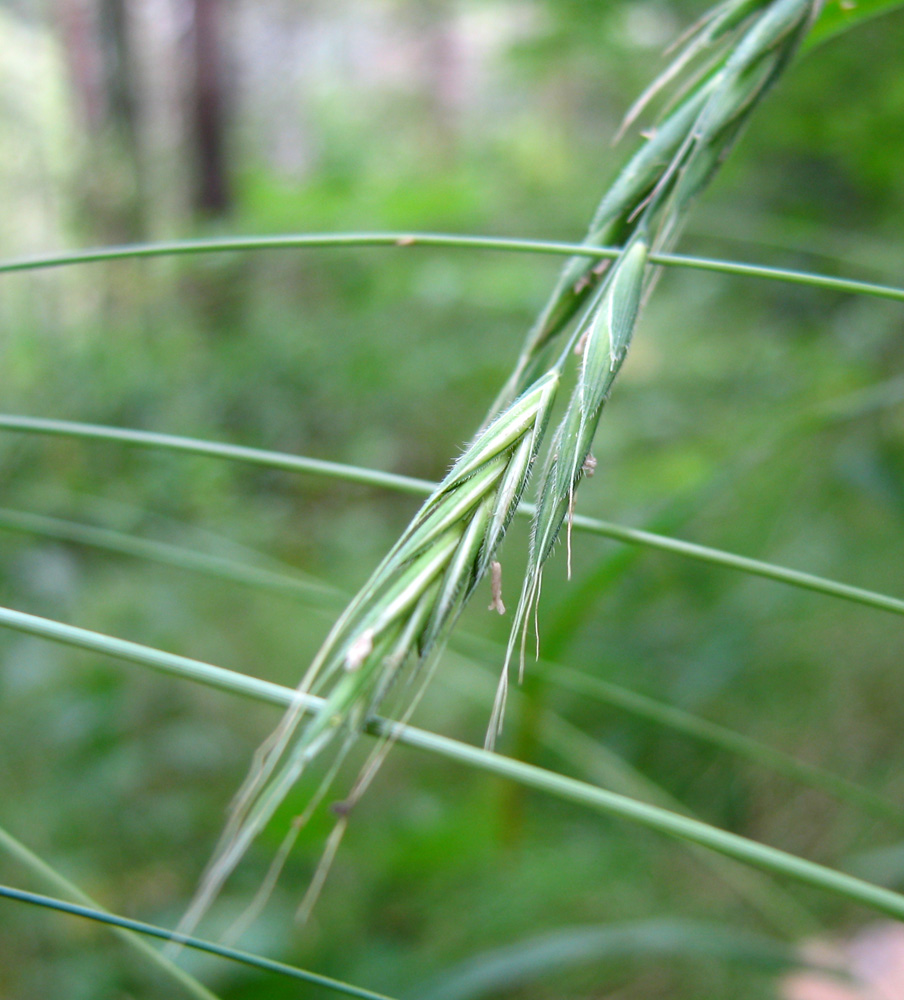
(581,278)
(747,44)
(608,335)
(605,334)
(744,45)
(398,617)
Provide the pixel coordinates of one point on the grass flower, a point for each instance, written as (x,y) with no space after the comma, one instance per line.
(396,619)
(603,340)
(724,66)
(744,45)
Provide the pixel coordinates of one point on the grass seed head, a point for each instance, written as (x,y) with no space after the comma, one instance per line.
(400,614)
(606,337)
(722,69)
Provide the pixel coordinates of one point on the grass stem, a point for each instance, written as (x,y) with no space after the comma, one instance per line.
(52,878)
(769,859)
(198,944)
(245,244)
(421,487)
(478,650)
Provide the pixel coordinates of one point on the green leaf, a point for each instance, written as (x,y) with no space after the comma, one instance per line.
(518,965)
(59,883)
(839,17)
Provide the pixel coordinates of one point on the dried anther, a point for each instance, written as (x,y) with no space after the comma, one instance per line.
(359,650)
(496,584)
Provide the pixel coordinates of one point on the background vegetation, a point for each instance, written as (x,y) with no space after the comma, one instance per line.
(754,416)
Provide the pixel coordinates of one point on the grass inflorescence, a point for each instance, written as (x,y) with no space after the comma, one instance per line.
(399,616)
(722,69)
(644,208)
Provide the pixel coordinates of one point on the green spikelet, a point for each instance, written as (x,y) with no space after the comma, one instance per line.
(400,615)
(605,339)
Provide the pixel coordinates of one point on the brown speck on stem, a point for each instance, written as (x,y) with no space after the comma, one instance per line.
(601,268)
(589,466)
(580,284)
(496,585)
(582,342)
(405,241)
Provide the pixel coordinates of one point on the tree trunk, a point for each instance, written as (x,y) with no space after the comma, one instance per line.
(212,192)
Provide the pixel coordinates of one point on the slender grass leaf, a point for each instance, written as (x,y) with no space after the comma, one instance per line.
(221,951)
(521,965)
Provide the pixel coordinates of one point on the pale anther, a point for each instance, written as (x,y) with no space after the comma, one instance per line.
(359,650)
(496,585)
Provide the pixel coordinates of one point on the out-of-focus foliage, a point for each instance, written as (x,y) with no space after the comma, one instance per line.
(753,416)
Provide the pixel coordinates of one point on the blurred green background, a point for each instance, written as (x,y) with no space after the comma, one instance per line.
(754,416)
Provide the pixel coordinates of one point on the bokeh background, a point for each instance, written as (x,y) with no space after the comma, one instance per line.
(755,416)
